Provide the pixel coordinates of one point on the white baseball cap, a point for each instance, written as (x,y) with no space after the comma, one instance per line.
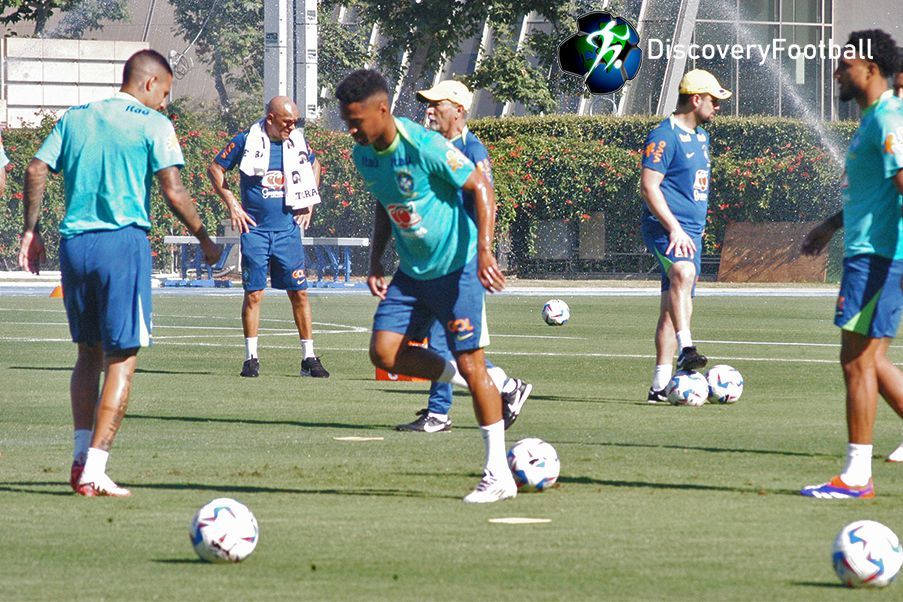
(450,90)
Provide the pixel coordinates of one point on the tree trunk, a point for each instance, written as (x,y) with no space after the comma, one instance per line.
(219,82)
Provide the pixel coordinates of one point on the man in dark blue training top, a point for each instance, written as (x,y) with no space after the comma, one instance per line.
(675,186)
(109,152)
(446,260)
(448,103)
(870,300)
(279,176)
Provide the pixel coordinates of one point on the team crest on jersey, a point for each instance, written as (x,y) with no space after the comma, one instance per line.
(404,215)
(272,184)
(455,158)
(405,183)
(701,185)
(685,137)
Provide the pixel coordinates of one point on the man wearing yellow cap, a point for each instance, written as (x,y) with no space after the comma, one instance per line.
(675,186)
(448,103)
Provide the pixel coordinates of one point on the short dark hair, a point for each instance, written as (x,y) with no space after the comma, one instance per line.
(883,48)
(360,85)
(683,99)
(144,60)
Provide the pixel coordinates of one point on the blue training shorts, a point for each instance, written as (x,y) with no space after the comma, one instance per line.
(870,297)
(656,239)
(279,253)
(107,287)
(457,301)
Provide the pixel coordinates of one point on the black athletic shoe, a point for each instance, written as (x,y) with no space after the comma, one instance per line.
(690,359)
(656,396)
(426,424)
(311,366)
(513,402)
(251,368)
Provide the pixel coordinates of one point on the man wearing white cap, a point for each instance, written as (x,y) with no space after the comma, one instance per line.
(675,186)
(449,101)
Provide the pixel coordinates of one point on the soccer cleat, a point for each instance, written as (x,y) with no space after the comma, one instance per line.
(426,424)
(75,474)
(492,489)
(690,359)
(251,368)
(100,486)
(836,489)
(513,401)
(656,396)
(896,455)
(311,366)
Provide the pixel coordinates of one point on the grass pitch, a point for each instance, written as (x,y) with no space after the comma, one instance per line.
(655,503)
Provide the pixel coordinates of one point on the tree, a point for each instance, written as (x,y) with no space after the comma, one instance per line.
(78,16)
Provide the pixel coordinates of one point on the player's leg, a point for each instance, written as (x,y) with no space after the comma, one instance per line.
(84,390)
(434,419)
(665,348)
(255,256)
(683,276)
(890,386)
(287,272)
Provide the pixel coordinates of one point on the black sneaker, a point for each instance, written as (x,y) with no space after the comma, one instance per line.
(251,368)
(311,366)
(426,424)
(690,359)
(514,401)
(656,396)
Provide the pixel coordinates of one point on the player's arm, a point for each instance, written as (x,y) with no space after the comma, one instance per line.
(241,221)
(898,181)
(651,189)
(183,208)
(378,240)
(484,211)
(821,235)
(31,251)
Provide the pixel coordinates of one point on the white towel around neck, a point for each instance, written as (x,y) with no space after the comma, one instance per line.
(297,173)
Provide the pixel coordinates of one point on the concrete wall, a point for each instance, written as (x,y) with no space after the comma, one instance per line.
(853,15)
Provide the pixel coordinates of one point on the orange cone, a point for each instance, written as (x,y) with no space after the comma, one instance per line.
(57,293)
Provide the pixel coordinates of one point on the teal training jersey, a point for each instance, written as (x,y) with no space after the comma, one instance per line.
(418,181)
(872,204)
(109,151)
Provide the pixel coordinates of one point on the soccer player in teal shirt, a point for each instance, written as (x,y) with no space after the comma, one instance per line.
(446,259)
(870,300)
(109,152)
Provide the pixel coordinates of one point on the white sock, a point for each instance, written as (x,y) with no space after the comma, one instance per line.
(661,376)
(451,375)
(250,347)
(82,441)
(509,385)
(684,339)
(442,417)
(307,345)
(95,464)
(494,441)
(858,469)
(498,376)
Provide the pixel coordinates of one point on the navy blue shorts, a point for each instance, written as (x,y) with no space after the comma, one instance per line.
(870,297)
(278,253)
(657,241)
(107,288)
(457,301)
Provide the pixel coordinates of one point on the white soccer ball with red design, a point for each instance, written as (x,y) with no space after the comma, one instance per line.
(725,384)
(224,531)
(867,554)
(556,312)
(687,388)
(534,464)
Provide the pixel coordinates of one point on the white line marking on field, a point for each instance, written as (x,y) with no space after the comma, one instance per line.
(519,520)
(776,343)
(359,438)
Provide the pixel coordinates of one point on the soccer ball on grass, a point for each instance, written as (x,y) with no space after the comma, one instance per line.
(867,554)
(534,464)
(687,388)
(223,531)
(556,312)
(725,384)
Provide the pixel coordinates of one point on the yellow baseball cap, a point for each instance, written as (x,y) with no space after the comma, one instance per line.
(699,81)
(448,89)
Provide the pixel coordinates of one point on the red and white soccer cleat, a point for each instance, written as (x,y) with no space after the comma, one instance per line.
(100,486)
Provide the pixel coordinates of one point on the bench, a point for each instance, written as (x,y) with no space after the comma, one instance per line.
(330,253)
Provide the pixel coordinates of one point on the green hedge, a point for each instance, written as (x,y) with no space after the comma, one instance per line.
(560,167)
